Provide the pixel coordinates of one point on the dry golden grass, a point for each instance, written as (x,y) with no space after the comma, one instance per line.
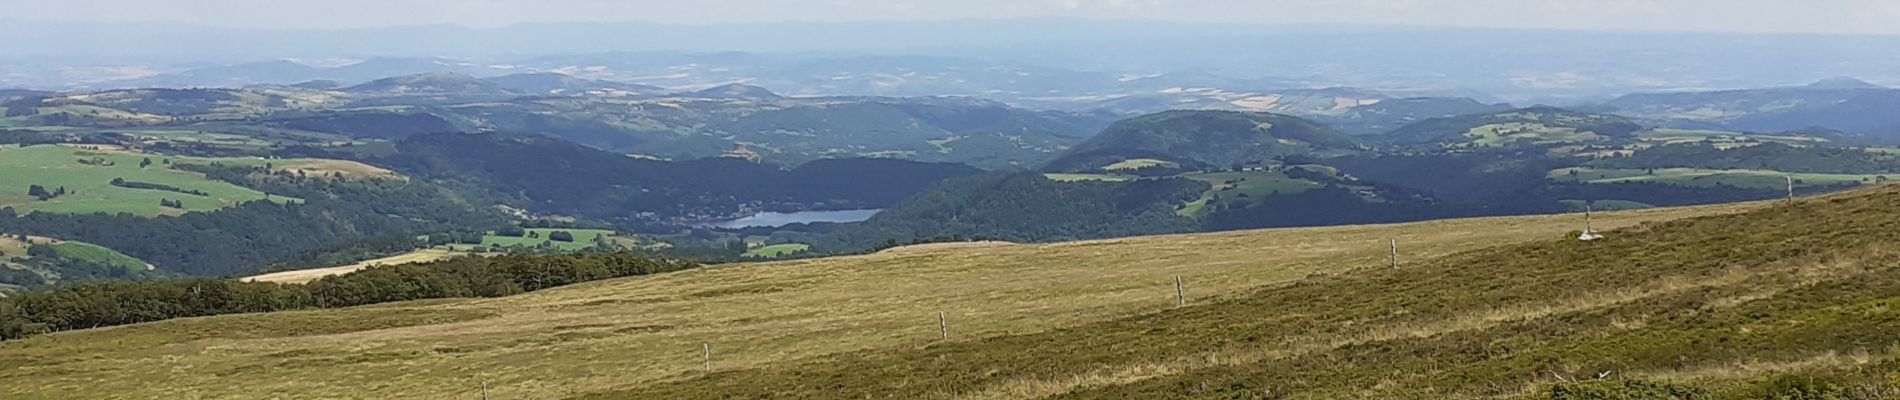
(307,275)
(621,333)
(349,169)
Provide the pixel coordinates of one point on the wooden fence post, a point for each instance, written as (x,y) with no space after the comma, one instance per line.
(1180,291)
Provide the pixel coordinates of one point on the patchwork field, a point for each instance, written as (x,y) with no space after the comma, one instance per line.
(1249,184)
(533,237)
(1503,134)
(1696,177)
(777,250)
(87,176)
(1139,163)
(631,333)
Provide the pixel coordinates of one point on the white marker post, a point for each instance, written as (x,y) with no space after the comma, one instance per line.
(708,357)
(943,325)
(1395,253)
(1790,189)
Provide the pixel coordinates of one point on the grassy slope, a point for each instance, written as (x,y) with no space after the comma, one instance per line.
(630,333)
(583,238)
(12,247)
(1507,133)
(777,250)
(307,275)
(56,166)
(1739,306)
(1696,177)
(1253,184)
(97,254)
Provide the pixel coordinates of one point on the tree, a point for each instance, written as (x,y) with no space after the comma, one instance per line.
(38,192)
(145,163)
(562,236)
(41,251)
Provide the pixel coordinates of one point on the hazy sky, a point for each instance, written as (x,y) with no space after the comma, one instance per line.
(1832,16)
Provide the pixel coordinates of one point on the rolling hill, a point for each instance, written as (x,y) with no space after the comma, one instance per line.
(557,83)
(1201,138)
(737,91)
(1526,126)
(1844,104)
(1784,302)
(430,83)
(643,338)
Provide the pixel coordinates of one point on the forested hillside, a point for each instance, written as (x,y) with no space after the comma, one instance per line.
(1201,138)
(1027,207)
(558,177)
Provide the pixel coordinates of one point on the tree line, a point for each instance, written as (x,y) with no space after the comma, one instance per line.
(335,215)
(108,303)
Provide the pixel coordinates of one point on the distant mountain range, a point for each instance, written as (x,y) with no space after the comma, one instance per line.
(1843,104)
(735,120)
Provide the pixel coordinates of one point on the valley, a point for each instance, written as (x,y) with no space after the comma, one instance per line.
(1552,200)
(610,335)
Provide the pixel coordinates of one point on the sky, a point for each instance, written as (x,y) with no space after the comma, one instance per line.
(1804,16)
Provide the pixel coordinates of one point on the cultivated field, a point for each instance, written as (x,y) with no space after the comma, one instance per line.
(628,333)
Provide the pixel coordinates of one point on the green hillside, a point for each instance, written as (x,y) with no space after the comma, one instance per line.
(1533,126)
(1200,138)
(1788,302)
(96,254)
(35,262)
(536,237)
(759,319)
(87,177)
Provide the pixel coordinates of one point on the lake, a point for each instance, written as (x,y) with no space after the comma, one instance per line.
(778,219)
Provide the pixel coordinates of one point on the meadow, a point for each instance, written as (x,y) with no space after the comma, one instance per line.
(777,250)
(533,237)
(1254,184)
(89,186)
(644,332)
(1792,301)
(1504,134)
(97,254)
